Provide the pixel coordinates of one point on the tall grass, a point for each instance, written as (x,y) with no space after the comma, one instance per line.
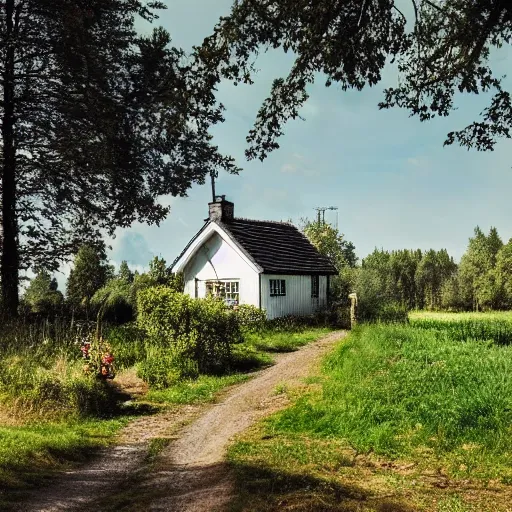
(493,326)
(410,392)
(41,371)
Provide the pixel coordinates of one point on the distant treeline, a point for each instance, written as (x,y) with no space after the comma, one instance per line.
(417,279)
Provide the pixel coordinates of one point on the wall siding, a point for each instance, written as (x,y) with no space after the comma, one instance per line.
(216,259)
(297,301)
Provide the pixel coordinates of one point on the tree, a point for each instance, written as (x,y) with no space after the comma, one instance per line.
(158,271)
(97,122)
(42,295)
(504,272)
(115,301)
(125,274)
(350,41)
(477,276)
(331,243)
(89,273)
(342,253)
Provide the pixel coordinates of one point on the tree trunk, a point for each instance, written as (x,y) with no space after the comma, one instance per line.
(9,262)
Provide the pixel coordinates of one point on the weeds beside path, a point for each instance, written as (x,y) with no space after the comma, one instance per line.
(158,469)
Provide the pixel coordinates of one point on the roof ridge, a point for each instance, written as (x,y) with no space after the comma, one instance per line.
(280,222)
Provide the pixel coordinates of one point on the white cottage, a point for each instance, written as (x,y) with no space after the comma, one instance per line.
(270,265)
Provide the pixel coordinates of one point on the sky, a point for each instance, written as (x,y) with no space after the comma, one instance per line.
(393,182)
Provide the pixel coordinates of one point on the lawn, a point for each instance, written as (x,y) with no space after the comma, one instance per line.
(414,417)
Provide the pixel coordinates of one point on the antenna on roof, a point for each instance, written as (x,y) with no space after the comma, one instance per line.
(213,175)
(321,214)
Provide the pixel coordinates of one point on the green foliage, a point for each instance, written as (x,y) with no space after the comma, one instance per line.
(89,273)
(349,43)
(114,300)
(331,243)
(158,271)
(250,318)
(196,334)
(503,272)
(128,344)
(477,275)
(401,280)
(42,296)
(125,274)
(161,275)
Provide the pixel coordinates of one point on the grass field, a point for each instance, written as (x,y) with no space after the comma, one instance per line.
(413,417)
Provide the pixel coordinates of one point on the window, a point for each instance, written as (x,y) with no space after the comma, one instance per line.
(315,285)
(227,290)
(232,292)
(277,287)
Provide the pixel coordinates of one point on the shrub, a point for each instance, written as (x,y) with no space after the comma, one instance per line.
(251,318)
(198,333)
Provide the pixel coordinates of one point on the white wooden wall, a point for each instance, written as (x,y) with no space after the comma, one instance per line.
(297,301)
(224,263)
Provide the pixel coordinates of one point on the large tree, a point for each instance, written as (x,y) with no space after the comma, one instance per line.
(442,47)
(97,122)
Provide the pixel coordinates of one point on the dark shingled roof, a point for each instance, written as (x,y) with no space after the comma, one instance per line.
(278,247)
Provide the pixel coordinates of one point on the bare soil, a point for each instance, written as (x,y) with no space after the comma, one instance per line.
(189,473)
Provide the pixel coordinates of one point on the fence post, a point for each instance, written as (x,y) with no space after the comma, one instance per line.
(353,309)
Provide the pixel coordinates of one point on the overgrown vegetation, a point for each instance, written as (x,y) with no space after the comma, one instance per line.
(396,408)
(186,350)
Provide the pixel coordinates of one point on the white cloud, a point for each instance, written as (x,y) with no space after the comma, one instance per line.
(418,161)
(289,168)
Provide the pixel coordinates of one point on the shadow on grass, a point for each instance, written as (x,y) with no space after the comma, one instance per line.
(45,466)
(164,486)
(267,490)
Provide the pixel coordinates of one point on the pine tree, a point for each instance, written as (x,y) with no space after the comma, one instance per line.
(42,295)
(125,274)
(89,273)
(97,123)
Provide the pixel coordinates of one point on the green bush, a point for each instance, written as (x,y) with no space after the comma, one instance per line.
(198,333)
(251,318)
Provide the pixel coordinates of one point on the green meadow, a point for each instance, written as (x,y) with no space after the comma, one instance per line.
(433,396)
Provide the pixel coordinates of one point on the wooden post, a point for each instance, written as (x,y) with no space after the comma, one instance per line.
(353,309)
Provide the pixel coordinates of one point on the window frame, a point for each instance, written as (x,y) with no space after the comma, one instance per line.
(277,287)
(229,290)
(315,286)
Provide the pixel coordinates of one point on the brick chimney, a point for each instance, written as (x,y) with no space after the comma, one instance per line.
(221,210)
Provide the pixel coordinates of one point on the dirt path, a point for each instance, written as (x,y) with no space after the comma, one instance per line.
(189,475)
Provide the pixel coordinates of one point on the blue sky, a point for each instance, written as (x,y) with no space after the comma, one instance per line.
(389,175)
